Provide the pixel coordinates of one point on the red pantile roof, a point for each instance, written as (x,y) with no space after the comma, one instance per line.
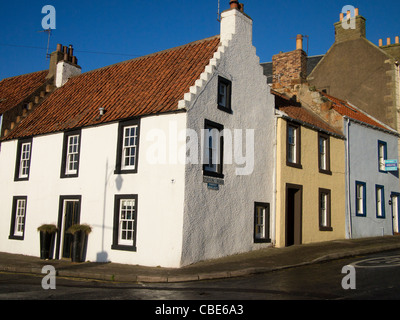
(143,86)
(16,89)
(345,109)
(295,111)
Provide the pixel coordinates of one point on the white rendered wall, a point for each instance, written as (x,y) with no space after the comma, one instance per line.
(220,222)
(66,70)
(159,188)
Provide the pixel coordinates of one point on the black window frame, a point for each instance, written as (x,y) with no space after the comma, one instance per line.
(219,172)
(21,142)
(65,152)
(228,107)
(12,235)
(115,241)
(297,128)
(326,137)
(328,193)
(118,164)
(267,223)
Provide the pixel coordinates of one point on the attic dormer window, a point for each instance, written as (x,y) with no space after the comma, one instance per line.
(224,94)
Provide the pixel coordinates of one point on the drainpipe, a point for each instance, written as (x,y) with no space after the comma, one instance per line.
(273,235)
(348,176)
(1,123)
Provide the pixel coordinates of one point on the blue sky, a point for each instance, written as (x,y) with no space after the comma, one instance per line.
(107,32)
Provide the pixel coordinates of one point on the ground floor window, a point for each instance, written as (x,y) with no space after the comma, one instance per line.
(361,199)
(325,210)
(261,222)
(125,222)
(380,201)
(17,229)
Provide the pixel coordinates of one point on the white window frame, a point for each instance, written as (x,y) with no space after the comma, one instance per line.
(260,222)
(125,222)
(323,152)
(324,209)
(25,160)
(20,213)
(361,200)
(128,147)
(292,151)
(380,201)
(127,214)
(382,154)
(72,161)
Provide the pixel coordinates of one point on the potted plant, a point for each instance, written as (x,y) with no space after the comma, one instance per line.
(47,240)
(80,234)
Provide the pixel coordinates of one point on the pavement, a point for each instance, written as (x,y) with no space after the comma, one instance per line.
(256,262)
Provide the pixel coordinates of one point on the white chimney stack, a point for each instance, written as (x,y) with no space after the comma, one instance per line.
(235,22)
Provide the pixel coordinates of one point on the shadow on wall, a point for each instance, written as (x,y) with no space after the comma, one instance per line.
(102,256)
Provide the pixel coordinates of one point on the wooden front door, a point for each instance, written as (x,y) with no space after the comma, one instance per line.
(69,214)
(294,212)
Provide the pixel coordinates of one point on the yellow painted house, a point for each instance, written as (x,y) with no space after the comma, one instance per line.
(310,197)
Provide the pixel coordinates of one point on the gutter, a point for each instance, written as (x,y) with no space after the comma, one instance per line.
(372,126)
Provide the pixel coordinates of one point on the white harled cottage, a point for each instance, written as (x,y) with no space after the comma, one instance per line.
(169,157)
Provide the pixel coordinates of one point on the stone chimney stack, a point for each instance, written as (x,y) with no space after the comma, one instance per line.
(391,48)
(350,27)
(63,65)
(290,68)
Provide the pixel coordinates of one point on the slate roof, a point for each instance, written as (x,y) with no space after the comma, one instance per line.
(15,90)
(143,86)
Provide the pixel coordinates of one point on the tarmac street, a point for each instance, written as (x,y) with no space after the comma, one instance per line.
(253,263)
(376,278)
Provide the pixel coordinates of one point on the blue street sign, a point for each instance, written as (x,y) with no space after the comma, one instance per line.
(391,165)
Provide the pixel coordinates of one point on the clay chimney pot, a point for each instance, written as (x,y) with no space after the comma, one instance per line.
(234,4)
(299,42)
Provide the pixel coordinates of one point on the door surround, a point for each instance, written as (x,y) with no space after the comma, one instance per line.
(61,222)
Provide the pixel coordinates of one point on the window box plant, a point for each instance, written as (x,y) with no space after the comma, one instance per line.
(47,239)
(80,234)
